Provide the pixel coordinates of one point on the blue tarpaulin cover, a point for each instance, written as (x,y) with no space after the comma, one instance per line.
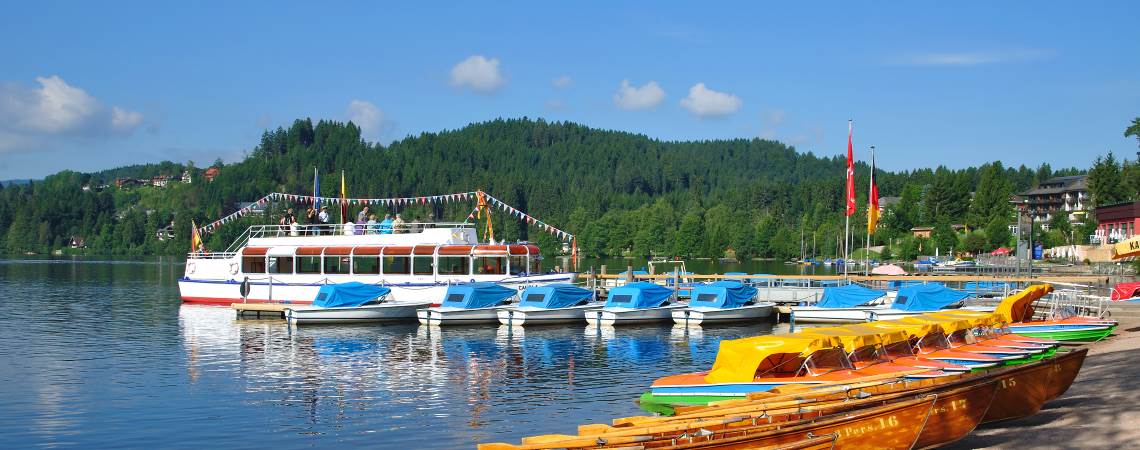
(927,297)
(848,296)
(554,296)
(722,294)
(483,294)
(899,284)
(348,294)
(641,294)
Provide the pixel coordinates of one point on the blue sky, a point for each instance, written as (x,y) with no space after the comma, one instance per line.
(86,86)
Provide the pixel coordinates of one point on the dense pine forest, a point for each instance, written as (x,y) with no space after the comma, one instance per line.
(620,193)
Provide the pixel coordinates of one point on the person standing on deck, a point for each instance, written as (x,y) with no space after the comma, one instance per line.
(362,216)
(372,226)
(323,218)
(310,221)
(386,224)
(398,225)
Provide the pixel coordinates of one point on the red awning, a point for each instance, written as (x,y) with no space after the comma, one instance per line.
(1000,251)
(1125,291)
(254,251)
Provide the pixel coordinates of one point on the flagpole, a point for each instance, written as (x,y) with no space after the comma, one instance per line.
(870,187)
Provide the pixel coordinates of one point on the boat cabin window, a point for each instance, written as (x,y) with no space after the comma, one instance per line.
(422,265)
(337,264)
(308,264)
(535,265)
(367,264)
(253,264)
(961,337)
(623,298)
(827,360)
(865,356)
(454,265)
(490,265)
(518,265)
(898,350)
(280,264)
(933,342)
(397,265)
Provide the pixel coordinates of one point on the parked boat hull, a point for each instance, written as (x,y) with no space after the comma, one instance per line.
(443,315)
(1065,332)
(701,315)
(524,316)
(369,313)
(813,314)
(627,316)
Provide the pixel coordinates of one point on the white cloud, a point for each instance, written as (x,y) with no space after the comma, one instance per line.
(478,73)
(367,116)
(124,120)
(562,82)
(705,102)
(632,97)
(973,58)
(55,108)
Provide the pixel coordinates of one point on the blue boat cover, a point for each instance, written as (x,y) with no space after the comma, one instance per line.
(641,294)
(848,296)
(722,294)
(554,296)
(899,284)
(927,297)
(483,294)
(979,286)
(348,294)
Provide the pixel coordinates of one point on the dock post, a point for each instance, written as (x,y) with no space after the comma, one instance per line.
(628,274)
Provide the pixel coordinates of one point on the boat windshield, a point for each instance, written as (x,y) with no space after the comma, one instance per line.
(825,361)
(933,342)
(897,350)
(867,355)
(985,333)
(961,337)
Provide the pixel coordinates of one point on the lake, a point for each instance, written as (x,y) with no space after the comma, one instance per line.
(102,354)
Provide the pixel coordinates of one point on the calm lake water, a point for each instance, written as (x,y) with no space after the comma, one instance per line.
(102,354)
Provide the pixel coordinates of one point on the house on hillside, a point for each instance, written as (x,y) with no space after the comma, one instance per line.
(1057,195)
(78,242)
(186,176)
(926,232)
(211,173)
(160,181)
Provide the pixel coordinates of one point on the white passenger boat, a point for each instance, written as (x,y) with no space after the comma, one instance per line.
(353,302)
(640,302)
(550,304)
(843,304)
(284,265)
(722,301)
(468,304)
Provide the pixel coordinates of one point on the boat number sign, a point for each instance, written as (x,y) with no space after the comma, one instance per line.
(879,424)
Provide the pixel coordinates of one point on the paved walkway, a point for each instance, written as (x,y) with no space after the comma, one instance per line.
(1100,410)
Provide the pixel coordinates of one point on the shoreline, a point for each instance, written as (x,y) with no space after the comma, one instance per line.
(1100,410)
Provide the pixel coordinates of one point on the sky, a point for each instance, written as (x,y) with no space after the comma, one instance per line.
(87,86)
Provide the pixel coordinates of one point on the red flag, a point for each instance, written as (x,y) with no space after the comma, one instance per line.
(850,174)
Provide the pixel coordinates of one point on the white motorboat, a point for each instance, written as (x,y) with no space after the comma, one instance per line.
(353,302)
(550,304)
(722,301)
(919,299)
(468,304)
(843,304)
(640,302)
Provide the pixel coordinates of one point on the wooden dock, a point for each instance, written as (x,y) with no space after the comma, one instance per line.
(261,310)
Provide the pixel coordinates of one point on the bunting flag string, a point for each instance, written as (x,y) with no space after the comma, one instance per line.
(392,202)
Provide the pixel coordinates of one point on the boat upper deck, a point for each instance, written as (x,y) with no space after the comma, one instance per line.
(341,235)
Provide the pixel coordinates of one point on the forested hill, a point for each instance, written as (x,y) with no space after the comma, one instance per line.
(620,193)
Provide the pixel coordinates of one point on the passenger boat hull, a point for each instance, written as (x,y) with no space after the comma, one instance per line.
(524,316)
(391,312)
(1021,391)
(301,292)
(627,316)
(442,316)
(956,413)
(701,315)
